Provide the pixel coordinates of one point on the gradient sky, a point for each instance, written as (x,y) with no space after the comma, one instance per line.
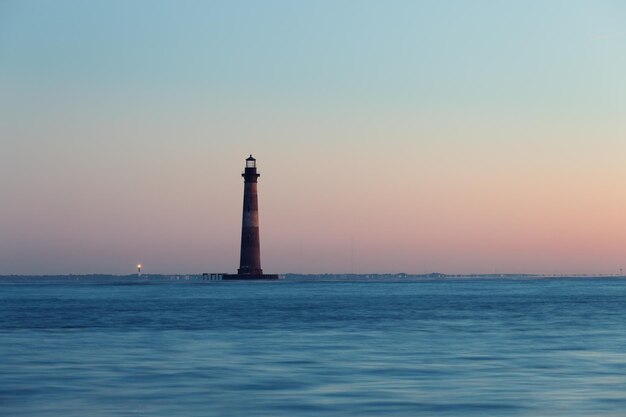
(451,136)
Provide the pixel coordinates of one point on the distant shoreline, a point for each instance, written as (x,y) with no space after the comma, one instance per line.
(292,277)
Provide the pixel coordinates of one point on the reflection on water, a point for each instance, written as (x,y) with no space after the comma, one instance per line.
(522,347)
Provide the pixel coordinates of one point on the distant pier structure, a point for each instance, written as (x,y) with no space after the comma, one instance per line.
(250,258)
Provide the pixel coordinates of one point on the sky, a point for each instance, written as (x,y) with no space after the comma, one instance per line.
(391,136)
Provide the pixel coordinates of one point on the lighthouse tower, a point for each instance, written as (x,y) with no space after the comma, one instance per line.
(250,259)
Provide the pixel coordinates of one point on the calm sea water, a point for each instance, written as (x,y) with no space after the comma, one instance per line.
(449,347)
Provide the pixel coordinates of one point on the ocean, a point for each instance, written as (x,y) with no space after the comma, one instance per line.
(445,347)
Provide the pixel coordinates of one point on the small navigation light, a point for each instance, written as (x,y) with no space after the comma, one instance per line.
(138,268)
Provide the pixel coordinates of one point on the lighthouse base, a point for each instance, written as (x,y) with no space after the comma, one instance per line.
(248,277)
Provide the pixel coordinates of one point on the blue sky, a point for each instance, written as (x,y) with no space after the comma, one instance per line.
(122,122)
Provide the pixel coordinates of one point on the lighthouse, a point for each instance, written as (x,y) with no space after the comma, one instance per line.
(250,260)
(250,256)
